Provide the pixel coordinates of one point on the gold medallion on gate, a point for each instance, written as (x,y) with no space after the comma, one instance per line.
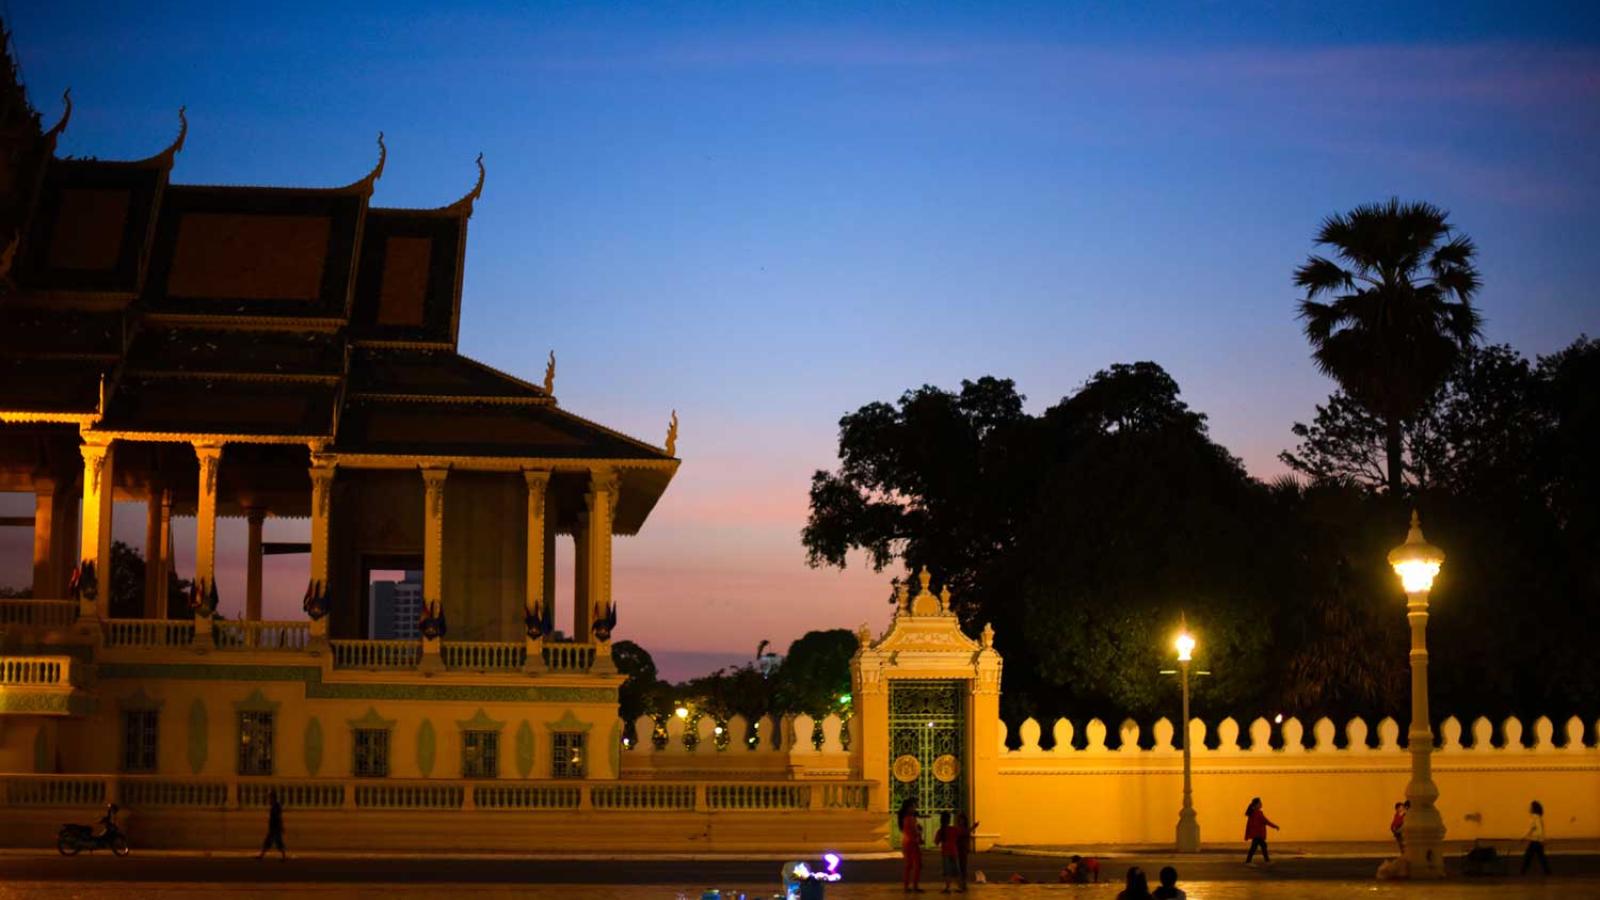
(946,768)
(906,769)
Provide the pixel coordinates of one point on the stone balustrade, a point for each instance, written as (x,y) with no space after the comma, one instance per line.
(50,671)
(484,656)
(738,736)
(38,613)
(568,657)
(263,635)
(1290,737)
(394,654)
(155,793)
(147,632)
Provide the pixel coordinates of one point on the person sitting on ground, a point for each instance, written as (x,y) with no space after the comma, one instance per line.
(1081,870)
(1169,889)
(1398,822)
(1137,887)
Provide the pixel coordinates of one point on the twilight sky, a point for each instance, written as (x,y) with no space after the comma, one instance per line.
(766,216)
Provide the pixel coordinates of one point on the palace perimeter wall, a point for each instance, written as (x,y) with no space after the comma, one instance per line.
(1313,789)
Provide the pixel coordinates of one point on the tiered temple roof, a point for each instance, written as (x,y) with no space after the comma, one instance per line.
(145,310)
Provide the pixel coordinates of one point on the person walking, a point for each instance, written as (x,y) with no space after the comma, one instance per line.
(1535,839)
(1137,886)
(274,828)
(1255,831)
(910,846)
(1399,822)
(1169,889)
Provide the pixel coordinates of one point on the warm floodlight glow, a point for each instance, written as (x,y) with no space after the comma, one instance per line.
(1185,645)
(1416,561)
(681,712)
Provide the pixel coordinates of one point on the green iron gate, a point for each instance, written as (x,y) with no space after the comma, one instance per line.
(927,752)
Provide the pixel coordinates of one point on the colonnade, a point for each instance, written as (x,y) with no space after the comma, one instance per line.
(592,536)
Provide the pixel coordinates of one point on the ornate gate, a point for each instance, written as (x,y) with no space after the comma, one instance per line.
(927,753)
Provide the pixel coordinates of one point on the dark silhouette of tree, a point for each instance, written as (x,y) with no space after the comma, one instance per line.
(644,690)
(1391,314)
(815,673)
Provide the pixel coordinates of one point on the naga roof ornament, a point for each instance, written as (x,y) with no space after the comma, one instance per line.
(672,435)
(464,205)
(366,184)
(165,158)
(550,375)
(66,116)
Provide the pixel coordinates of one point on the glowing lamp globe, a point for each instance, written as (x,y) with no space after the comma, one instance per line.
(681,712)
(1185,645)
(1416,561)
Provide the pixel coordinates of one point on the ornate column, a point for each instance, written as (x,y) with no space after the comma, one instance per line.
(433,560)
(601,504)
(535,599)
(205,541)
(163,584)
(95,553)
(155,567)
(45,576)
(254,516)
(317,603)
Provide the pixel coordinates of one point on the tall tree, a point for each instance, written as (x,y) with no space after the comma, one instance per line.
(1389,316)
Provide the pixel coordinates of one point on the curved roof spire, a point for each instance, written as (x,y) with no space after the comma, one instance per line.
(464,205)
(165,157)
(66,116)
(367,183)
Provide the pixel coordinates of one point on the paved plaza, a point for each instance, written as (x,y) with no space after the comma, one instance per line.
(1206,877)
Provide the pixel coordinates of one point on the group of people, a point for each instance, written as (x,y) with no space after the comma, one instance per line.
(954,840)
(1534,836)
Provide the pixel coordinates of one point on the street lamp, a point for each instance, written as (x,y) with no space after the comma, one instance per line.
(1417,562)
(1188,823)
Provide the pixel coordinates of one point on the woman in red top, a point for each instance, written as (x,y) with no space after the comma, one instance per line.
(1255,831)
(910,846)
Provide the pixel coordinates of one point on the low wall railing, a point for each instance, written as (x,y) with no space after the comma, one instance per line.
(264,635)
(39,613)
(375,654)
(48,671)
(563,657)
(148,632)
(139,792)
(484,656)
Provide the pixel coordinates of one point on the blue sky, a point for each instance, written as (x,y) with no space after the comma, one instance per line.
(767,215)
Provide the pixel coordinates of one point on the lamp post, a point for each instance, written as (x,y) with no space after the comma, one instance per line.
(1417,562)
(1188,823)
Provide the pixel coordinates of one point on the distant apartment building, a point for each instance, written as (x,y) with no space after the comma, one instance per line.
(395,607)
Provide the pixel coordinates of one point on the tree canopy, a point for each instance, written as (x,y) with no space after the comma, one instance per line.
(1083,532)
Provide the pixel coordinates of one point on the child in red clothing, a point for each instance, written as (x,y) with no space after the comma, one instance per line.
(964,834)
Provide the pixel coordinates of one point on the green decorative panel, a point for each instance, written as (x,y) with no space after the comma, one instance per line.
(927,722)
(524,749)
(426,745)
(313,746)
(197,735)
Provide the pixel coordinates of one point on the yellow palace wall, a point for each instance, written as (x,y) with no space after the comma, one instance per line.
(1319,793)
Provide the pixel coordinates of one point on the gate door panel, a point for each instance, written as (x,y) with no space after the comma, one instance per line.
(927,756)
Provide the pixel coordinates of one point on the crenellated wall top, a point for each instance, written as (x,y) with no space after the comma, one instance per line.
(1290,738)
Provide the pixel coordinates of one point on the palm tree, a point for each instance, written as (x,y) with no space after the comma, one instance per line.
(1391,314)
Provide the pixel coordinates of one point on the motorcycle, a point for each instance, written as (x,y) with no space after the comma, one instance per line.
(74,838)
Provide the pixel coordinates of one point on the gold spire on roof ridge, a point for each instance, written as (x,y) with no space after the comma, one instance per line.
(550,375)
(672,435)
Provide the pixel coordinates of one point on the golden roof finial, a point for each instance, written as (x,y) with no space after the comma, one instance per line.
(550,375)
(66,116)
(464,205)
(672,435)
